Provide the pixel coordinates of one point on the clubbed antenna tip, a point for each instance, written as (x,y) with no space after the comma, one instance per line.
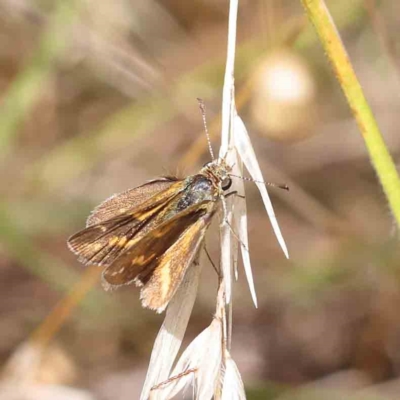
(278,185)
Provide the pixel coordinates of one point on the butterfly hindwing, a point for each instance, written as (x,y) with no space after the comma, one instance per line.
(172,266)
(159,260)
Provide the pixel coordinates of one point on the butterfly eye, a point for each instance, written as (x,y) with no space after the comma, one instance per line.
(226,183)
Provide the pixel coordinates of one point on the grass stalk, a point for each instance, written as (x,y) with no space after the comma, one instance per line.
(380,157)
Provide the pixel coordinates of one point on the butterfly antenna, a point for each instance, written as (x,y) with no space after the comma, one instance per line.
(278,185)
(203,115)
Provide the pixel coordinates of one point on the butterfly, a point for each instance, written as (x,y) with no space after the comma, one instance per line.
(151,234)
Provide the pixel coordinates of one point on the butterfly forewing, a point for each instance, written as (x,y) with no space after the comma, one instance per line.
(102,243)
(126,201)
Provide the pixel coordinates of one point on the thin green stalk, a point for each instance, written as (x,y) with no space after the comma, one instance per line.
(319,15)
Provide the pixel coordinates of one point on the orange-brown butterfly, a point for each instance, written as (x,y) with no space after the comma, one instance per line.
(151,234)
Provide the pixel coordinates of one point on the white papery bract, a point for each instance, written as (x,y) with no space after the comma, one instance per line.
(229,248)
(203,356)
(170,337)
(240,217)
(226,248)
(248,156)
(232,387)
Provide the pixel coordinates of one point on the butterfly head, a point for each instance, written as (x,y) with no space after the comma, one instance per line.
(218,171)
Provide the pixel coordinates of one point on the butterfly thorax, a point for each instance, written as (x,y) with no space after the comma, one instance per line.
(207,185)
(199,189)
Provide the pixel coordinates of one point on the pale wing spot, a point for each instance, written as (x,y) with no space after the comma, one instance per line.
(97,246)
(122,241)
(118,272)
(144,215)
(131,242)
(138,260)
(159,234)
(138,282)
(113,240)
(165,279)
(102,228)
(122,210)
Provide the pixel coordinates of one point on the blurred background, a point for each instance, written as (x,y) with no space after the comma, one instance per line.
(98,97)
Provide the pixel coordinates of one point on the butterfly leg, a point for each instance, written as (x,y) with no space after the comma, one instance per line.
(225,219)
(234,193)
(211,261)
